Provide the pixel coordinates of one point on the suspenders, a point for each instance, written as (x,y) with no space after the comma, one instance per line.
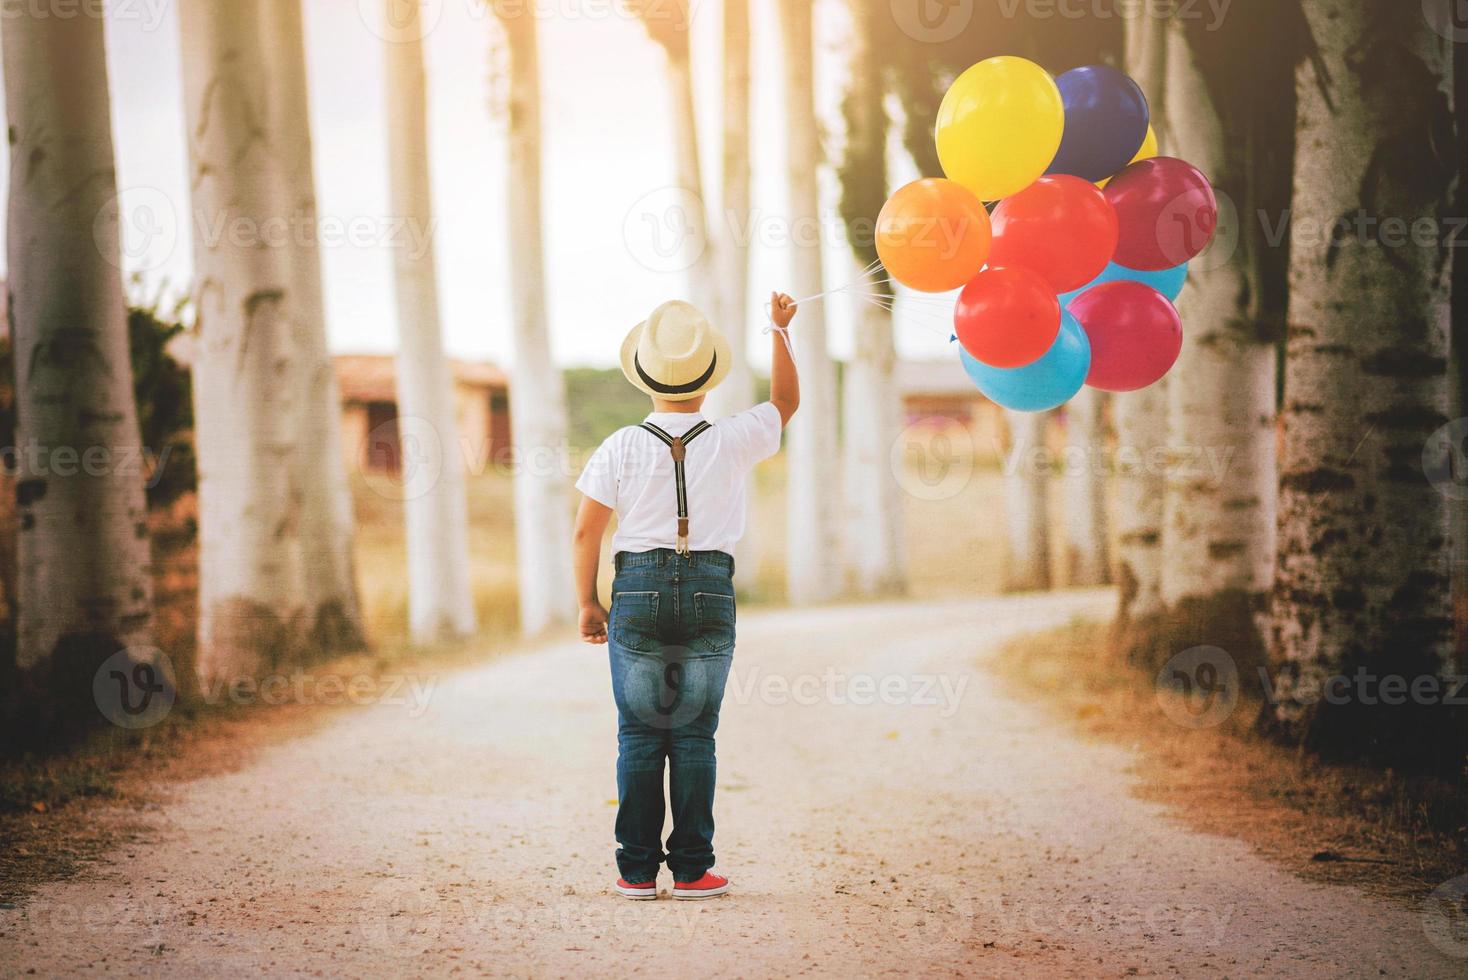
(678,445)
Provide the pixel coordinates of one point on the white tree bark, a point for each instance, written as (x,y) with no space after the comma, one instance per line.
(84,577)
(732,258)
(435,502)
(1084,482)
(703,279)
(871,403)
(872,409)
(1219,508)
(1141,431)
(333,606)
(1141,416)
(814,553)
(1363,550)
(537,392)
(1026,503)
(247,406)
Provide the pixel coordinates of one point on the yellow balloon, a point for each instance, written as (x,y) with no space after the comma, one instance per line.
(1000,126)
(1148,151)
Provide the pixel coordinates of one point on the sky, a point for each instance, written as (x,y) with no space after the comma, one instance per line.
(608,159)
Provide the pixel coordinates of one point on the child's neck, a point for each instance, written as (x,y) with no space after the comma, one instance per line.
(689,407)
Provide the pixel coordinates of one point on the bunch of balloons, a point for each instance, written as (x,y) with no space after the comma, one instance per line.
(1071,279)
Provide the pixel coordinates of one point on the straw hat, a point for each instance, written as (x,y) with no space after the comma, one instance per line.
(676,353)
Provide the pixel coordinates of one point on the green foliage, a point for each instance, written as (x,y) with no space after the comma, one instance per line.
(164,391)
(599,401)
(164,395)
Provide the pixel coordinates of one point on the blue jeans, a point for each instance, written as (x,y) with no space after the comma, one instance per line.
(671,640)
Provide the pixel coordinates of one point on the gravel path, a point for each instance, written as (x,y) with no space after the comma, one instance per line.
(883,808)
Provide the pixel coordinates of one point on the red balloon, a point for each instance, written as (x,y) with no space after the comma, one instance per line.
(1167,210)
(1060,226)
(1135,334)
(1007,318)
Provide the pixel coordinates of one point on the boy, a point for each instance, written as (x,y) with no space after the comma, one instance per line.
(676,483)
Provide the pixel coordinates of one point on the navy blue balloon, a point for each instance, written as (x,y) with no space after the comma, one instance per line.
(1106,119)
(1048,383)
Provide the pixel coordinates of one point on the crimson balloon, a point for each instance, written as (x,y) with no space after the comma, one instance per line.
(1167,210)
(1061,227)
(1007,318)
(1135,334)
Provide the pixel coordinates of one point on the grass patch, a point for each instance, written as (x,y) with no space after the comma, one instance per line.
(1376,829)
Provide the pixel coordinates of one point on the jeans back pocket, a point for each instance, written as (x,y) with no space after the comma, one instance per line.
(634,621)
(715,615)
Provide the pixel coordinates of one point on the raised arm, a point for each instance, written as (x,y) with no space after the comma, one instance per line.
(784,383)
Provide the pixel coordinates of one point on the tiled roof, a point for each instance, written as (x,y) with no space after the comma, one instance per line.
(373,378)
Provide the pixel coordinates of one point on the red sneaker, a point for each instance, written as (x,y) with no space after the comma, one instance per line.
(641,891)
(709,886)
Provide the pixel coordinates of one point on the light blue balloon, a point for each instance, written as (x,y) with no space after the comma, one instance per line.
(1048,383)
(1168,282)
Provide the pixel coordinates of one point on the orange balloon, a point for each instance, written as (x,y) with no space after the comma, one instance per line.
(933,235)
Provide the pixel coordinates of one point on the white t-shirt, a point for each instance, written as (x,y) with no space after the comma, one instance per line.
(632,473)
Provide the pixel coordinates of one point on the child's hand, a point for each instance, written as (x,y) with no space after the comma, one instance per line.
(782,309)
(593,623)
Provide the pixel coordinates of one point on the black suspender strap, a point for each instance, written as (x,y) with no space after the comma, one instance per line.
(678,445)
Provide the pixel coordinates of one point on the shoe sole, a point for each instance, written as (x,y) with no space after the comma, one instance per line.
(637,894)
(694,895)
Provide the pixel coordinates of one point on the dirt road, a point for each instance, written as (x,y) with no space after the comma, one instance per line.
(883,810)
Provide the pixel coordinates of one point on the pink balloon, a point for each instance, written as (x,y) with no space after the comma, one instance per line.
(1135,334)
(1168,213)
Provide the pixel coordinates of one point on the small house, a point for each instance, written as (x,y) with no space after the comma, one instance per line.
(369,406)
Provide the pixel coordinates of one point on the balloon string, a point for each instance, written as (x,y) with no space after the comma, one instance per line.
(883,300)
(770,325)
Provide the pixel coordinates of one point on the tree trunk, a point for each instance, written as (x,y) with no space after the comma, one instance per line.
(703,281)
(440,600)
(538,391)
(1087,551)
(84,576)
(247,407)
(1458,371)
(1363,551)
(1218,527)
(732,257)
(1141,416)
(873,412)
(813,536)
(1026,503)
(333,607)
(872,405)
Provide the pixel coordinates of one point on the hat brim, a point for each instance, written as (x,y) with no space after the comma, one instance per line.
(723,354)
